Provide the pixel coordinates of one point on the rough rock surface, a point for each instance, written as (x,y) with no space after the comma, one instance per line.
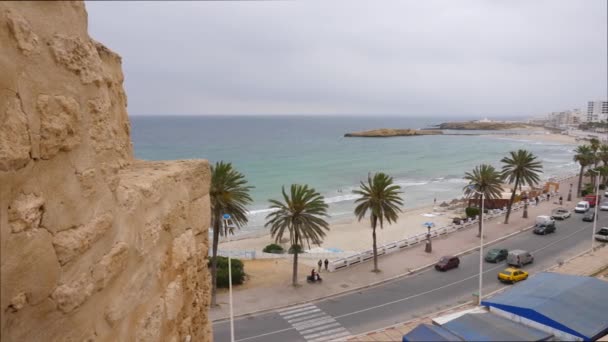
(95,245)
(391,132)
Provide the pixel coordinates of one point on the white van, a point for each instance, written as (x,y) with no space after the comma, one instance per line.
(582,207)
(519,258)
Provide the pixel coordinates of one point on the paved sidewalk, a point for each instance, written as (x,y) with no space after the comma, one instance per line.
(392,265)
(588,264)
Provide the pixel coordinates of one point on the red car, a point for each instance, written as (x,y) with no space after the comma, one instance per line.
(592,199)
(447,262)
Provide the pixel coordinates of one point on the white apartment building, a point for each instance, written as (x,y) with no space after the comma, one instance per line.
(597,111)
(566,118)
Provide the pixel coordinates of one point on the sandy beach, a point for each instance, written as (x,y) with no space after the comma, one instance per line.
(547,137)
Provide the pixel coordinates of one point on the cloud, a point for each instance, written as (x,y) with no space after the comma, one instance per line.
(357,58)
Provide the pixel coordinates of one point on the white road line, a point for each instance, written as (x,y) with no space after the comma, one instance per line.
(294,307)
(289,312)
(313,323)
(326,332)
(332,337)
(303,313)
(330,325)
(305,318)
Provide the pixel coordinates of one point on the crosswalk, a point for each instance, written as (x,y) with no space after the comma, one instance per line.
(313,324)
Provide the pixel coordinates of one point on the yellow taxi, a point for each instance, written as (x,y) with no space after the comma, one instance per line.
(512,275)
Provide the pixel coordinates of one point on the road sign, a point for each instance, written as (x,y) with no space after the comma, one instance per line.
(226,216)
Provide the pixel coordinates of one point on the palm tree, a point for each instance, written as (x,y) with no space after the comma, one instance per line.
(603,154)
(584,156)
(521,168)
(603,170)
(381,198)
(229,194)
(301,215)
(595,146)
(485,180)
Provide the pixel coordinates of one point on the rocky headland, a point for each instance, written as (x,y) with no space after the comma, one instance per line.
(95,245)
(486,126)
(389,132)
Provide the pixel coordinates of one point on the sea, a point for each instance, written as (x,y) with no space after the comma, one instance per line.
(277,151)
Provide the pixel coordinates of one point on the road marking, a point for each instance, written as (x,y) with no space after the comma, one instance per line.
(330,325)
(289,312)
(304,318)
(326,332)
(312,323)
(303,313)
(342,336)
(406,298)
(295,307)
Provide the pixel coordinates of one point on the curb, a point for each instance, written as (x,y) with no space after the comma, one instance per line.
(410,272)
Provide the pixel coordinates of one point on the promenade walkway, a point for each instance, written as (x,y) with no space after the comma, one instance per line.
(394,265)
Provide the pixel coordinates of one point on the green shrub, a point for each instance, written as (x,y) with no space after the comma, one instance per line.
(273,248)
(602,186)
(471,211)
(295,248)
(238,271)
(585,192)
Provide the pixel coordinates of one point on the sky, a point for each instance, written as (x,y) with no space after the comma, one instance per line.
(410,58)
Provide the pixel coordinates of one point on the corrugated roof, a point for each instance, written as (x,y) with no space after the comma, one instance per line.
(427,332)
(573,304)
(490,327)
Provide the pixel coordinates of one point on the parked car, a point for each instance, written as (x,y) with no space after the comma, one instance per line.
(581,207)
(496,255)
(604,205)
(447,262)
(512,275)
(606,194)
(519,258)
(560,214)
(592,199)
(544,225)
(589,216)
(602,234)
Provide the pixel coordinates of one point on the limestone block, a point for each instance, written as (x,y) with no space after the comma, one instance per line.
(174,298)
(73,242)
(70,296)
(29,265)
(148,237)
(77,55)
(139,289)
(184,247)
(15,145)
(25,212)
(59,124)
(20,29)
(111,265)
(149,327)
(87,179)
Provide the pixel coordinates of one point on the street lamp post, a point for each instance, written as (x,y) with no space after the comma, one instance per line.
(570,194)
(226,218)
(471,187)
(597,204)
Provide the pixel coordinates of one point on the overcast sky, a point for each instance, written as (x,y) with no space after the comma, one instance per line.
(411,58)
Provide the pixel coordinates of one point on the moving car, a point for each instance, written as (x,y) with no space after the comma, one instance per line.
(512,275)
(581,207)
(589,216)
(447,262)
(602,234)
(592,199)
(604,205)
(560,214)
(544,225)
(519,258)
(496,255)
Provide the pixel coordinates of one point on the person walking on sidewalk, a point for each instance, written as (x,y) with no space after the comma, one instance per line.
(537,200)
(326,264)
(560,200)
(320,263)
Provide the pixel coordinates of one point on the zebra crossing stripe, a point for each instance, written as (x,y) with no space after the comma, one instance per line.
(305,318)
(308,312)
(313,323)
(289,312)
(295,307)
(332,337)
(330,325)
(326,332)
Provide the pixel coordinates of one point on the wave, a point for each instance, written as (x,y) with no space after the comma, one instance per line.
(260,211)
(341,198)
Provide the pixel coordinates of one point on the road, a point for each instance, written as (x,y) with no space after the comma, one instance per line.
(406,298)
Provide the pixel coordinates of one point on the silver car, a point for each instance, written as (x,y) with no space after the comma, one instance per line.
(604,205)
(560,214)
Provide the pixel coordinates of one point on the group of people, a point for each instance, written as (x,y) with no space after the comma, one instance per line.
(314,275)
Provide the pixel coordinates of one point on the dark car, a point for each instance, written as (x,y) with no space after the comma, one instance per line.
(544,225)
(496,255)
(447,262)
(589,216)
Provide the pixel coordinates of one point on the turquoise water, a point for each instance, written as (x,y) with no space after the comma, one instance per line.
(276,151)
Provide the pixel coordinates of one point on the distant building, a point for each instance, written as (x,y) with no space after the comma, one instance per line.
(597,111)
(565,119)
(484,120)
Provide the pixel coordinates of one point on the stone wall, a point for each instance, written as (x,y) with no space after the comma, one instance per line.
(95,246)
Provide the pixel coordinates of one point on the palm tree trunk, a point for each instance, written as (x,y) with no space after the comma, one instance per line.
(294,277)
(216,238)
(374,245)
(511,200)
(580,181)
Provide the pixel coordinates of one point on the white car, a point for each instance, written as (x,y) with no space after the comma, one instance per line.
(602,234)
(604,205)
(581,207)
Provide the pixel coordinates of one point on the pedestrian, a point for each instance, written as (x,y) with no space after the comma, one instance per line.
(548,196)
(320,263)
(536,200)
(435,201)
(560,200)
(326,264)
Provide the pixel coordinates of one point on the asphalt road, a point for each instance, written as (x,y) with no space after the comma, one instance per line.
(409,297)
